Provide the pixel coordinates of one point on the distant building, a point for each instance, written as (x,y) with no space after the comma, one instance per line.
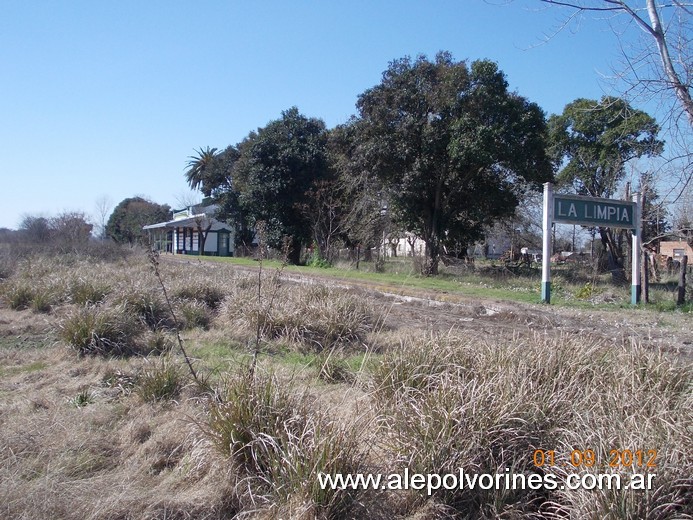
(183,235)
(403,244)
(675,249)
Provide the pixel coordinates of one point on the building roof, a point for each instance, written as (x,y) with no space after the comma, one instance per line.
(189,222)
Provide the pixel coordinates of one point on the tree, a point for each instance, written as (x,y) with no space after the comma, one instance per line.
(449,142)
(593,141)
(70,230)
(35,228)
(276,168)
(103,209)
(201,170)
(657,66)
(655,223)
(364,197)
(671,73)
(130,215)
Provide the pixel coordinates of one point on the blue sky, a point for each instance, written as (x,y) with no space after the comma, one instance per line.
(110,98)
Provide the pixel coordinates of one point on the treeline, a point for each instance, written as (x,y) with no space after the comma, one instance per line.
(440,149)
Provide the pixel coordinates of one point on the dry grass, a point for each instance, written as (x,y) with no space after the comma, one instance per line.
(105,437)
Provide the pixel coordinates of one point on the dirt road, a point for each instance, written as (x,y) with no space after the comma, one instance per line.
(438,311)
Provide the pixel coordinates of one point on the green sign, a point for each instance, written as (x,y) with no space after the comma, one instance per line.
(587,211)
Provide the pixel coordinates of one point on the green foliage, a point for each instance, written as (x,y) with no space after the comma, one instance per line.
(200,168)
(595,139)
(82,399)
(277,166)
(317,260)
(449,142)
(267,177)
(586,291)
(126,222)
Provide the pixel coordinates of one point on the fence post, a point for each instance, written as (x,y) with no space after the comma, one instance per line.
(681,299)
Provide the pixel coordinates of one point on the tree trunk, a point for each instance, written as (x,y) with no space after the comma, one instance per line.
(680,89)
(293,255)
(614,257)
(430,264)
(646,278)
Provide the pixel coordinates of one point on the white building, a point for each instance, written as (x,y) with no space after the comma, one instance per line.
(184,234)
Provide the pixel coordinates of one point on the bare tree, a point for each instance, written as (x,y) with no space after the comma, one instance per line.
(103,207)
(656,67)
(186,199)
(665,64)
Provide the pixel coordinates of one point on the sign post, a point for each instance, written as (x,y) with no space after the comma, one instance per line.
(547,221)
(589,211)
(635,263)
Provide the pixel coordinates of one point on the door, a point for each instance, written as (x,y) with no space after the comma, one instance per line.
(223,243)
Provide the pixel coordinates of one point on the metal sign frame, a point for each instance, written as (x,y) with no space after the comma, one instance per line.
(618,208)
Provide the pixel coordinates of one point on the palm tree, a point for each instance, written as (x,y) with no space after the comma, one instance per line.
(199,168)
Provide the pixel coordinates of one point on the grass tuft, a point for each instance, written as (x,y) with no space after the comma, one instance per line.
(160,381)
(96,330)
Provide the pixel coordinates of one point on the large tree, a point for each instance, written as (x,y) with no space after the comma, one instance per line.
(449,141)
(125,223)
(593,141)
(276,168)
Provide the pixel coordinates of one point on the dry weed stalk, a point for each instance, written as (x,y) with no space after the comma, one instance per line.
(153,257)
(263,313)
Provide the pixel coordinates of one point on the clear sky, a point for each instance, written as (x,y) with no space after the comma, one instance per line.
(109,98)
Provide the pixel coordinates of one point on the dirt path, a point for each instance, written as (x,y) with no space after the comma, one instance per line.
(441,311)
